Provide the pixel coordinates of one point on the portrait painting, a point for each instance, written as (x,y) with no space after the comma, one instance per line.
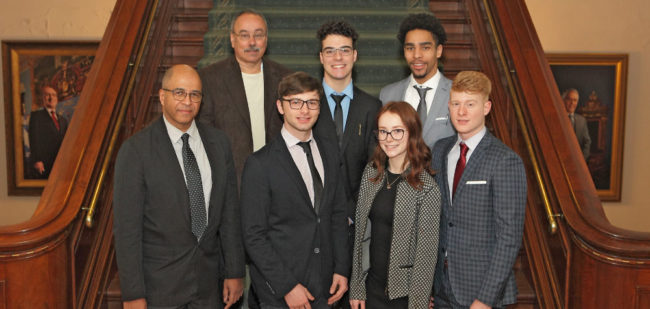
(598,82)
(42,84)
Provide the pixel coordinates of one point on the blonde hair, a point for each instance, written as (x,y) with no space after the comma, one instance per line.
(472,82)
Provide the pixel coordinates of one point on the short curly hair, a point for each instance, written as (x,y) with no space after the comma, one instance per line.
(340,27)
(422,21)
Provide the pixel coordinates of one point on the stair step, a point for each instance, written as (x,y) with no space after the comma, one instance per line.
(191,20)
(196,4)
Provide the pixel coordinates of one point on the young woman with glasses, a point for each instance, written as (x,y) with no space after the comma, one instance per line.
(397,217)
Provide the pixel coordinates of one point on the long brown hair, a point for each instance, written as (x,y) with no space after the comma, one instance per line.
(418,154)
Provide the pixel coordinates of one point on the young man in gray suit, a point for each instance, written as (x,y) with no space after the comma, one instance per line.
(483,188)
(426,89)
(176,219)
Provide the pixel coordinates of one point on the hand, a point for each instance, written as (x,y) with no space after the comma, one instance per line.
(232,291)
(338,288)
(139,303)
(298,298)
(357,304)
(40,168)
(477,304)
(431,302)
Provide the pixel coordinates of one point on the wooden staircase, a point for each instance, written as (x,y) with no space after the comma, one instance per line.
(572,257)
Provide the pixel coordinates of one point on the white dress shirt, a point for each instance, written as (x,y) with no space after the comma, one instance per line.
(412,97)
(300,159)
(454,154)
(199,153)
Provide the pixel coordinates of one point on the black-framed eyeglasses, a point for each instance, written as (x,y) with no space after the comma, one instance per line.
(298,103)
(396,134)
(331,51)
(258,36)
(179,94)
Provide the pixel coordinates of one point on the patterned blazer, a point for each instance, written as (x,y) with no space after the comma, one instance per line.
(481,228)
(414,244)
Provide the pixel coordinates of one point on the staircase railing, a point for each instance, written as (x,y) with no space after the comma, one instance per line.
(571,246)
(53,255)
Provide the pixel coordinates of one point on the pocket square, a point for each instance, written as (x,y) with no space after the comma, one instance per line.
(442,118)
(476,182)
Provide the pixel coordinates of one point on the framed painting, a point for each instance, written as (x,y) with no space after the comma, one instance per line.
(599,83)
(42,83)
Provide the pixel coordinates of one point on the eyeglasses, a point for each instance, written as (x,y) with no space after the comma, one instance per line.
(258,36)
(396,134)
(179,94)
(331,51)
(298,103)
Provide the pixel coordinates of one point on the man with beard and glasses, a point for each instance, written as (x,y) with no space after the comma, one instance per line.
(426,89)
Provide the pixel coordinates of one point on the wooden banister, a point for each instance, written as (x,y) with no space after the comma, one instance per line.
(38,255)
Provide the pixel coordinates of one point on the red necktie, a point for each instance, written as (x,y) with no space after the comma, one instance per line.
(56,122)
(460,166)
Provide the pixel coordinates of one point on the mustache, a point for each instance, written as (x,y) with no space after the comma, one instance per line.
(252,49)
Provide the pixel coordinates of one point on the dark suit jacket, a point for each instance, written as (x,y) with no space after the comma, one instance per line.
(225,106)
(287,241)
(582,133)
(481,229)
(44,139)
(358,139)
(158,257)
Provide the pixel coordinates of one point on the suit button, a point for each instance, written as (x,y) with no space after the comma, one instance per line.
(451,224)
(318,220)
(316,250)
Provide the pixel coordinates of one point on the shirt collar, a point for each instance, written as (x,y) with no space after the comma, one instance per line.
(347,91)
(473,141)
(291,140)
(431,82)
(175,134)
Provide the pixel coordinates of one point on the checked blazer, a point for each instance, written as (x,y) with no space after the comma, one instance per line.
(481,228)
(414,243)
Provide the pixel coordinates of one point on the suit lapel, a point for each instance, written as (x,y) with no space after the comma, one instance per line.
(354,113)
(214,157)
(285,160)
(445,172)
(166,153)
(475,162)
(235,88)
(438,105)
(270,109)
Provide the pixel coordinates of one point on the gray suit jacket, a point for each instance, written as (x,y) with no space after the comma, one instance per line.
(225,106)
(414,242)
(582,133)
(438,124)
(158,257)
(481,228)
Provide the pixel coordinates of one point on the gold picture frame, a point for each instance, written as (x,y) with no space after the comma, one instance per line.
(601,80)
(28,68)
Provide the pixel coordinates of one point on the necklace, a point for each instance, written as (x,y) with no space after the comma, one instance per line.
(390,183)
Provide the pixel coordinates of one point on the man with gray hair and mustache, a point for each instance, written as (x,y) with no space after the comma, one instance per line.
(240,92)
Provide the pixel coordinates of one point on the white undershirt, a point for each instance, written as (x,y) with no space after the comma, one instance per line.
(254,87)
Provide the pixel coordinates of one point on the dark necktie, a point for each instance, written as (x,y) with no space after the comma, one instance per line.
(56,122)
(195,189)
(422,106)
(338,116)
(572,117)
(315,176)
(460,166)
